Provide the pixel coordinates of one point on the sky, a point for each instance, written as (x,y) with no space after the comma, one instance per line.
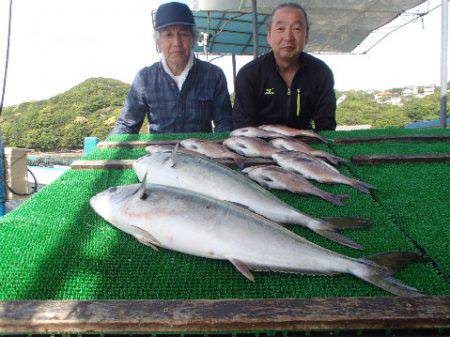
(57,44)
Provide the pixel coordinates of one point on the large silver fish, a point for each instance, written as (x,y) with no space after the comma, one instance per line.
(278,178)
(251,131)
(291,132)
(313,168)
(296,145)
(207,177)
(184,221)
(250,147)
(212,149)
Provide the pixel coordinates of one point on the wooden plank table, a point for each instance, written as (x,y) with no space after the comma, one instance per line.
(182,316)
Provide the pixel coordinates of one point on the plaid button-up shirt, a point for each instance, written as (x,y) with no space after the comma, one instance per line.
(203,99)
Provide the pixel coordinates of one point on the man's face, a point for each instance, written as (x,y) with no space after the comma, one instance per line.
(288,33)
(176,43)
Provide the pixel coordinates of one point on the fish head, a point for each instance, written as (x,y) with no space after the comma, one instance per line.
(191,143)
(159,148)
(253,170)
(109,202)
(242,132)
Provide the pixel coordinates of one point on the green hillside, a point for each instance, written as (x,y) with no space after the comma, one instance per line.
(92,108)
(361,107)
(61,122)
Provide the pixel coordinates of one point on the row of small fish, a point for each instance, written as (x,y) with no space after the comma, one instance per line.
(271,177)
(258,148)
(276,131)
(302,163)
(197,206)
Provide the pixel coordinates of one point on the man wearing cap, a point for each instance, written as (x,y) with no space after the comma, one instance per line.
(180,93)
(286,86)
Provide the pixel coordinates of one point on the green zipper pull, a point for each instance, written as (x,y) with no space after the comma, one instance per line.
(289,91)
(298,102)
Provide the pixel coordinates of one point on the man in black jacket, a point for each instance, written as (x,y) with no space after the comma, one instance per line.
(286,86)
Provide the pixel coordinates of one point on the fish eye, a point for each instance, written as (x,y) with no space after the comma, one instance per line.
(113,189)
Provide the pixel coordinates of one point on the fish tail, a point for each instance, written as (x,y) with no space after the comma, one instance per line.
(348,222)
(239,160)
(337,160)
(361,186)
(390,284)
(329,157)
(380,268)
(334,235)
(335,199)
(322,138)
(332,160)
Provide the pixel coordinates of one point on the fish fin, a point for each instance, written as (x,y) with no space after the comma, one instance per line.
(141,191)
(146,238)
(240,205)
(335,236)
(336,199)
(264,184)
(243,269)
(173,156)
(394,261)
(379,276)
(346,222)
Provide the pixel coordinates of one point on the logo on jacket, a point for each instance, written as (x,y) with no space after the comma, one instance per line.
(269,91)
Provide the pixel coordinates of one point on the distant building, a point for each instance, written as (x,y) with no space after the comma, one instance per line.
(353,127)
(429,90)
(410,91)
(387,97)
(341,99)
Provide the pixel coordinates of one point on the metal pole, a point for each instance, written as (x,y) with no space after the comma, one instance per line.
(255,28)
(233,62)
(2,179)
(444,38)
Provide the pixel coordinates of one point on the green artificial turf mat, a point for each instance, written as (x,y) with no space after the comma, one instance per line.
(392,148)
(417,196)
(105,154)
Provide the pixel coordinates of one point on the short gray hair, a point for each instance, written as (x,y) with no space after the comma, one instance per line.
(195,33)
(288,4)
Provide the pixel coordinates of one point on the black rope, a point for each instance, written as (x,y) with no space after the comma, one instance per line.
(24,194)
(7,57)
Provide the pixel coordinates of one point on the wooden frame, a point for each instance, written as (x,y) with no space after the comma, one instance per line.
(401,158)
(384,139)
(181,316)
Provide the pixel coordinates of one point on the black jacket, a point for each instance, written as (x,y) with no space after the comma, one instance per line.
(262,96)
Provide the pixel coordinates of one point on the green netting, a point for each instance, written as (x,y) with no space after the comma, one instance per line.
(56,247)
(392,148)
(417,196)
(218,135)
(386,132)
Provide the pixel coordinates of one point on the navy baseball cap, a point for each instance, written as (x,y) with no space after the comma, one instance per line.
(173,13)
